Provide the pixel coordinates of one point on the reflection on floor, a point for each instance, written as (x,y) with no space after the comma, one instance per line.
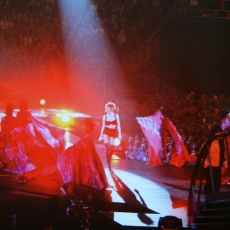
(134,182)
(163,189)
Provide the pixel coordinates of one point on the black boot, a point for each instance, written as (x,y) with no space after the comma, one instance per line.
(108,155)
(108,158)
(111,151)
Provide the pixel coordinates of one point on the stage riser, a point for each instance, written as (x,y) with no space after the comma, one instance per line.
(103,221)
(32,210)
(5,217)
(212,212)
(210,226)
(213,219)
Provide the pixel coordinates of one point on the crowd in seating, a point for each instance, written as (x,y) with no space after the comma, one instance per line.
(33,41)
(30,34)
(133,148)
(193,115)
(31,30)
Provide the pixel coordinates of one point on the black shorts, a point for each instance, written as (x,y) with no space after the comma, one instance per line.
(110,132)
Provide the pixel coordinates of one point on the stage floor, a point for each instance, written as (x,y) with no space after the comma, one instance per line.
(163,189)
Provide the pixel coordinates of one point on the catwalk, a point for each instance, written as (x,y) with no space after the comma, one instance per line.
(162,189)
(140,195)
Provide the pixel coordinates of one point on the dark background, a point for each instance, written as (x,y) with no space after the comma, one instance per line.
(195,54)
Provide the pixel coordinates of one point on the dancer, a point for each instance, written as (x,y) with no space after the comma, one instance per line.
(110,130)
(8,123)
(154,128)
(22,137)
(215,162)
(80,165)
(30,138)
(225,126)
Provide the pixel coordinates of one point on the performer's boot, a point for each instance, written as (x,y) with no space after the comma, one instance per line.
(108,155)
(111,150)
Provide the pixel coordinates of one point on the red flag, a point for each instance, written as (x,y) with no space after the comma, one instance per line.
(152,128)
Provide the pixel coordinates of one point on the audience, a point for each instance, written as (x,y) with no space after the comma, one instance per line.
(31,24)
(30,36)
(193,116)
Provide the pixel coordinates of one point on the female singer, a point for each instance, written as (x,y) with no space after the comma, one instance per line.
(110,130)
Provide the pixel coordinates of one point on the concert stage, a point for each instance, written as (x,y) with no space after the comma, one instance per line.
(145,194)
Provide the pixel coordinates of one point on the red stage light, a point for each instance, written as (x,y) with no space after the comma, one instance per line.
(42,102)
(65,118)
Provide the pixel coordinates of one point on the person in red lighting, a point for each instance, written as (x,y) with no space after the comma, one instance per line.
(154,128)
(110,130)
(80,165)
(21,136)
(216,161)
(32,140)
(24,116)
(16,148)
(8,123)
(225,126)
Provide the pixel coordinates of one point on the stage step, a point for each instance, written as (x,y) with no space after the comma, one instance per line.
(32,210)
(218,204)
(217,200)
(210,226)
(100,220)
(215,211)
(217,196)
(212,219)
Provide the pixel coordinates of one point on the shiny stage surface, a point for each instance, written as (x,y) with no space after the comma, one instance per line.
(163,189)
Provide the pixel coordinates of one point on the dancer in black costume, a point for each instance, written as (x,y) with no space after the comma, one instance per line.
(111,129)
